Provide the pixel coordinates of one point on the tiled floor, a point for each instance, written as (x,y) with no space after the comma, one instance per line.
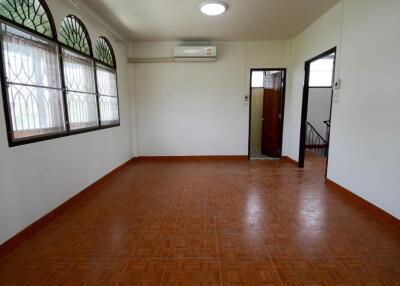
(210,222)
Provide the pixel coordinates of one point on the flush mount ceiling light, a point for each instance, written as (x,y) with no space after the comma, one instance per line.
(213,8)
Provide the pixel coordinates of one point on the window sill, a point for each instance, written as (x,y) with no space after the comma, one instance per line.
(30,140)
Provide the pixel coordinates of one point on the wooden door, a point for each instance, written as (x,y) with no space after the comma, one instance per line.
(272,117)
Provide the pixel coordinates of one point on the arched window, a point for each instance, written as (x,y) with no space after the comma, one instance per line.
(74,34)
(105,52)
(79,74)
(107,82)
(52,84)
(31,14)
(30,74)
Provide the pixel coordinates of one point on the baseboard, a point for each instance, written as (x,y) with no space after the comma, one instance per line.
(192,158)
(290,160)
(29,231)
(371,208)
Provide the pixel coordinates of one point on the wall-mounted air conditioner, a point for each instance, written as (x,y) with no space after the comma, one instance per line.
(195,54)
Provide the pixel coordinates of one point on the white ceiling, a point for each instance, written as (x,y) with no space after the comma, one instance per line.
(181,19)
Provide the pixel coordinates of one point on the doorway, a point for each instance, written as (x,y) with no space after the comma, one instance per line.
(267,103)
(317,109)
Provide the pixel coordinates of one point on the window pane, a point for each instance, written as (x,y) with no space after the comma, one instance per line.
(34,87)
(321,72)
(82,109)
(81,91)
(107,86)
(109,110)
(257,79)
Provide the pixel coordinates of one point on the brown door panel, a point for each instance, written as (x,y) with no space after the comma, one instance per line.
(271,127)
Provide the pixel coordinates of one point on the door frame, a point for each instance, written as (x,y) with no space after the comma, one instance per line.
(304,107)
(282,105)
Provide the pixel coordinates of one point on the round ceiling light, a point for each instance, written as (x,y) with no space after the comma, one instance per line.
(213,8)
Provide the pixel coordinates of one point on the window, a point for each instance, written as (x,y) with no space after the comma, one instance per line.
(31,75)
(81,91)
(104,52)
(79,75)
(32,14)
(321,72)
(257,79)
(74,35)
(108,98)
(53,87)
(107,83)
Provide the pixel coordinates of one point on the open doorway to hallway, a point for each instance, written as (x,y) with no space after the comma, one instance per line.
(267,102)
(317,109)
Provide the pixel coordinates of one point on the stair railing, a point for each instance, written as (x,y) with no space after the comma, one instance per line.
(315,142)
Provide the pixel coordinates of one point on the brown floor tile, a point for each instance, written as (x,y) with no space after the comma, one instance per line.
(249,272)
(234,221)
(136,272)
(239,245)
(102,244)
(188,221)
(148,245)
(48,244)
(343,271)
(194,244)
(26,271)
(93,271)
(210,222)
(157,223)
(192,272)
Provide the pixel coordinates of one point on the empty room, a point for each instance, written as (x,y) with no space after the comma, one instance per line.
(193,142)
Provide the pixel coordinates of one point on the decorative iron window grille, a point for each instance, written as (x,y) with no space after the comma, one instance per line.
(104,52)
(31,14)
(74,34)
(53,87)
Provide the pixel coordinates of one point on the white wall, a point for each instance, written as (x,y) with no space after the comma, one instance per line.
(321,36)
(36,178)
(197,108)
(319,108)
(365,140)
(365,136)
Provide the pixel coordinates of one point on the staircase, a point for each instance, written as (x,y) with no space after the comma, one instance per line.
(315,142)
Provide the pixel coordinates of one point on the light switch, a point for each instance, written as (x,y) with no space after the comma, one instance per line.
(246,100)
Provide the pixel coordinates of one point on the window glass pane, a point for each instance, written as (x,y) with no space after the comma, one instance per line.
(107,86)
(81,91)
(321,72)
(257,79)
(82,108)
(34,87)
(109,110)
(106,81)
